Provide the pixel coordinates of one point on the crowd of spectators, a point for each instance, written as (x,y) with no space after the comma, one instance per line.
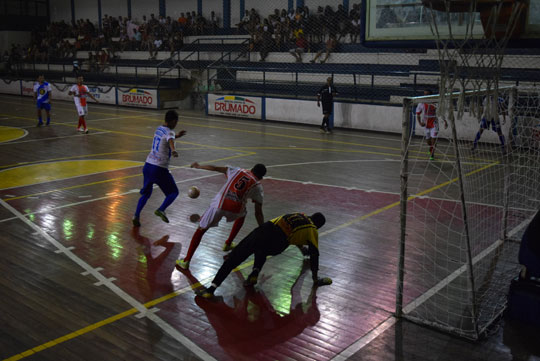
(297,30)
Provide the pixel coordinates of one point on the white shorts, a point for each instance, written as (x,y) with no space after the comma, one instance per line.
(213,215)
(431,132)
(82,110)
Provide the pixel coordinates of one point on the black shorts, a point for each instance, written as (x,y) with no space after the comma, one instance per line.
(327,107)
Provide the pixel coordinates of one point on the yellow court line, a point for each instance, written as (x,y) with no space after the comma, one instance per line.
(198,284)
(117,179)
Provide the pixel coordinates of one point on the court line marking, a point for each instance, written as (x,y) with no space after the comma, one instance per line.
(52,138)
(25,133)
(73,177)
(366,339)
(363,341)
(137,306)
(116,179)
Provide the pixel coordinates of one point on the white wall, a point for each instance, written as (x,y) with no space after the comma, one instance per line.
(265,8)
(213,5)
(235,13)
(60,10)
(13,37)
(144,7)
(86,9)
(174,8)
(114,8)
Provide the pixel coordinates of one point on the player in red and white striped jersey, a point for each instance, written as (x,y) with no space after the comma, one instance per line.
(229,202)
(427,117)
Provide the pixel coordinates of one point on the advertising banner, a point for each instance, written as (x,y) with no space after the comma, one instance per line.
(10,87)
(235,106)
(104,94)
(143,98)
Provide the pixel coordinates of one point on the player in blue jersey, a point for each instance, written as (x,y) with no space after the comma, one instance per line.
(156,168)
(42,95)
(489,119)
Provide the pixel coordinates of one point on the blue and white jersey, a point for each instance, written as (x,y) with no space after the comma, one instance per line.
(42,91)
(161,151)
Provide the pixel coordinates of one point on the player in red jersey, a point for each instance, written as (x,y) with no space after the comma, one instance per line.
(230,202)
(427,117)
(80,92)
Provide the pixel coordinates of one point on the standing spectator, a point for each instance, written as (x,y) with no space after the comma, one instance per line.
(355,27)
(267,43)
(300,47)
(213,23)
(330,46)
(326,97)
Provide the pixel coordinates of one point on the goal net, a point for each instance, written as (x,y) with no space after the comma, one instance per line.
(463,212)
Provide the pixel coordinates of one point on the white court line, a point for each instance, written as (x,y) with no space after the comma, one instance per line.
(22,136)
(370,336)
(190,345)
(48,210)
(53,138)
(76,176)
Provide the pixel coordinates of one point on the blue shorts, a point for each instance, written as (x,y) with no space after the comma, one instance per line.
(45,106)
(160,176)
(495,125)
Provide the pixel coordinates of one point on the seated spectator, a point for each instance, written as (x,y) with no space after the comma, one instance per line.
(158,42)
(137,38)
(266,43)
(92,62)
(176,42)
(242,25)
(300,47)
(330,46)
(103,59)
(529,251)
(76,68)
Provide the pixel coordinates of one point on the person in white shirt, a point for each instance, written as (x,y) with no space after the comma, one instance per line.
(156,168)
(80,92)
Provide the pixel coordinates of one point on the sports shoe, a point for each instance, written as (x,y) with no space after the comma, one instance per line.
(431,157)
(162,215)
(80,130)
(85,131)
(39,124)
(252,279)
(208,292)
(228,247)
(136,222)
(183,264)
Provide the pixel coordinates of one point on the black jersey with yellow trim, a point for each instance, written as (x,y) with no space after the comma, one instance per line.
(298,229)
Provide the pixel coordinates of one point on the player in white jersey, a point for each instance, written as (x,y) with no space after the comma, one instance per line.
(426,114)
(42,96)
(80,92)
(489,119)
(156,168)
(229,202)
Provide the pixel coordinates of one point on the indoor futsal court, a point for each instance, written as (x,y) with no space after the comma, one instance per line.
(81,283)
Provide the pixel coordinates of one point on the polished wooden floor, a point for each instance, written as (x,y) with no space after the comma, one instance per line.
(80,283)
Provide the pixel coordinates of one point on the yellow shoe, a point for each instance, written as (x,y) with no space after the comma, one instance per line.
(182,264)
(228,247)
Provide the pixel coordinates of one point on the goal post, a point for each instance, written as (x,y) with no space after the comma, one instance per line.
(463,212)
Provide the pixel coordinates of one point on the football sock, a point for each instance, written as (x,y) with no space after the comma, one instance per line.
(168,200)
(235,229)
(195,241)
(141,204)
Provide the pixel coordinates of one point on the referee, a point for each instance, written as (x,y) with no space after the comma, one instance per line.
(326,97)
(270,239)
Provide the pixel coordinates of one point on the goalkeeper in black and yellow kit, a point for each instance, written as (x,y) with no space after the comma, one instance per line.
(270,239)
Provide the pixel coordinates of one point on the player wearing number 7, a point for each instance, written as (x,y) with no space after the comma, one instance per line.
(230,202)
(156,168)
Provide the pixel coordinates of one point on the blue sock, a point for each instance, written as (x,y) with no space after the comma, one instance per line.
(140,205)
(48,120)
(168,200)
(501,138)
(40,120)
(478,135)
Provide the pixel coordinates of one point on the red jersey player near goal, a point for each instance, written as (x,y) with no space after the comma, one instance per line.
(230,202)
(427,117)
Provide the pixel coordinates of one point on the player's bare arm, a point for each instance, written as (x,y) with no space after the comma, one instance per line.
(180,134)
(212,168)
(91,96)
(173,149)
(259,213)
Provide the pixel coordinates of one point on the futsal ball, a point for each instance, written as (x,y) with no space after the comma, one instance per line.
(194,217)
(193,192)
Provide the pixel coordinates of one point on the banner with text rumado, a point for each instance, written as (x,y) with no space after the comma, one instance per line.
(143,98)
(235,106)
